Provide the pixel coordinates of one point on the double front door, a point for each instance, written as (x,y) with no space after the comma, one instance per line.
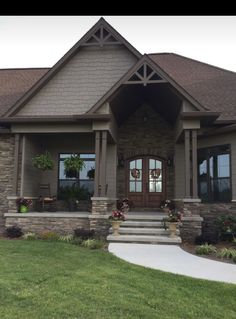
(145,181)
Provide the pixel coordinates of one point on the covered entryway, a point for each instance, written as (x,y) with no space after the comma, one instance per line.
(145,178)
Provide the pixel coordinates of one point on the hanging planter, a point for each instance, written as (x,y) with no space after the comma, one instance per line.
(73,165)
(43,162)
(71,173)
(90,173)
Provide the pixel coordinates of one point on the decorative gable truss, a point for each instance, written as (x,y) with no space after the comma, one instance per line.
(101,37)
(145,75)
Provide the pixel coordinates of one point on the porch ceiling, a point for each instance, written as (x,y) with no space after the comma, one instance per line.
(159,96)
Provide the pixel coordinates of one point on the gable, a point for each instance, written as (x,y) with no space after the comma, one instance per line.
(81,82)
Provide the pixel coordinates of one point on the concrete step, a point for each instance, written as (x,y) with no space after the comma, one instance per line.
(151,239)
(132,223)
(148,217)
(143,231)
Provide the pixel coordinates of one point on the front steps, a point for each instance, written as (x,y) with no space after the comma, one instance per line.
(145,227)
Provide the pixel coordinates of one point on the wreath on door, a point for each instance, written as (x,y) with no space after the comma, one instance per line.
(155,173)
(135,173)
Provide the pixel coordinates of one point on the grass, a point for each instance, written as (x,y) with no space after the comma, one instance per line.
(42,280)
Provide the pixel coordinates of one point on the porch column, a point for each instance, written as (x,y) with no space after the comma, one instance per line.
(16,164)
(22,167)
(97,164)
(194,164)
(187,162)
(103,164)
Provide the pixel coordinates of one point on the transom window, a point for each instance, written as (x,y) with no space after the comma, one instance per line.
(214,177)
(85,178)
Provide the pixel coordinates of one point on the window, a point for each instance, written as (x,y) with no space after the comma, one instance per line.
(214,178)
(84,180)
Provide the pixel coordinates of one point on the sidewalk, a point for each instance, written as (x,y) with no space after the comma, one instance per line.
(172,258)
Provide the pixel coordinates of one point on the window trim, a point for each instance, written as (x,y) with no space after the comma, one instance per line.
(208,178)
(58,166)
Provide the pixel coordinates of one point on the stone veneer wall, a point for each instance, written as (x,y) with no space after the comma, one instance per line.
(153,137)
(200,218)
(38,224)
(210,213)
(7,142)
(101,209)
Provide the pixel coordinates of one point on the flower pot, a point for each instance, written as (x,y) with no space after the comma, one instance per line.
(115,227)
(166,210)
(71,173)
(23,209)
(173,229)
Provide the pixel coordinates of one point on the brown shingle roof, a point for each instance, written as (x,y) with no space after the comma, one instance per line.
(212,87)
(14,83)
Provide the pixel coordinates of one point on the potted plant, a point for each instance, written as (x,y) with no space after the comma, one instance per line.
(73,165)
(43,161)
(23,204)
(90,173)
(116,218)
(173,220)
(124,205)
(167,206)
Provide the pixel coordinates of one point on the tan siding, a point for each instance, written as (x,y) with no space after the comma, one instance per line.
(51,128)
(31,175)
(111,170)
(81,82)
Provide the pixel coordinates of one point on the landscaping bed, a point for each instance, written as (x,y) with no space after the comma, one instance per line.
(191,248)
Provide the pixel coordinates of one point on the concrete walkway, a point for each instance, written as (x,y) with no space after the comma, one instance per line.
(172,258)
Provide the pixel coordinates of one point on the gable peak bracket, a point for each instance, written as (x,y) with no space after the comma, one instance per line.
(101,37)
(145,74)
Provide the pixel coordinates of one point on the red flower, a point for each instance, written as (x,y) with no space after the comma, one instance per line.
(117,215)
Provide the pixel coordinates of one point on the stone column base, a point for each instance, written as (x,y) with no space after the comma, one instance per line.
(12,206)
(191,221)
(191,228)
(101,210)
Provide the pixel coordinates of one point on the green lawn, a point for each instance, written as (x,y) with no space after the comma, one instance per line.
(40,279)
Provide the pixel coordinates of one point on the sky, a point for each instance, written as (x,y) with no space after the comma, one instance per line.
(40,41)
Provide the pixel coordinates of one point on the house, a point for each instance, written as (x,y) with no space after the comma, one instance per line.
(155,127)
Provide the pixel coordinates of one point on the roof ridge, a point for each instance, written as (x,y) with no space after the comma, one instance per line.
(194,60)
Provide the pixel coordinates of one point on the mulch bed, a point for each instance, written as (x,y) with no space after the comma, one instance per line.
(191,248)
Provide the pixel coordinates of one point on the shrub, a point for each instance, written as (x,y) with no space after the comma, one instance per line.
(73,192)
(93,243)
(49,235)
(30,236)
(206,249)
(84,234)
(14,232)
(77,241)
(234,258)
(66,238)
(226,253)
(234,241)
(227,227)
(207,238)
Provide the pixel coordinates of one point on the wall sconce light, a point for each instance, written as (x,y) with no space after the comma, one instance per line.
(121,160)
(170,161)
